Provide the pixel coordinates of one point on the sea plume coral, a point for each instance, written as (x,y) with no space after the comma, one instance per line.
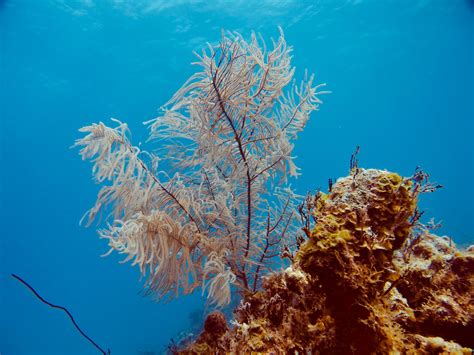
(224,208)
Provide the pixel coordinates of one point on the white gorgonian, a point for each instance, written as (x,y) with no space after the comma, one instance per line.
(224,210)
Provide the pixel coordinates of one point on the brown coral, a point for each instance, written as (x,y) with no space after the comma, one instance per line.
(438,284)
(363,282)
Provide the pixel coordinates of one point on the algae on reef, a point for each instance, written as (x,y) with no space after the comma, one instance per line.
(368,280)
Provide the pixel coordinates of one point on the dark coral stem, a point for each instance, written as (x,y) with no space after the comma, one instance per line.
(63,309)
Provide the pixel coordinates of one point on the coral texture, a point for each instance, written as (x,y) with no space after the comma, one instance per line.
(368,280)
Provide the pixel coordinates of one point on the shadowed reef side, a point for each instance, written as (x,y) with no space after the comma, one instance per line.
(369,279)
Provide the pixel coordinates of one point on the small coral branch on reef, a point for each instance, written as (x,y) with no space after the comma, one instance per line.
(370,279)
(223,210)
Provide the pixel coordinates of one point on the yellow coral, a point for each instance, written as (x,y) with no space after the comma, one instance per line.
(351,288)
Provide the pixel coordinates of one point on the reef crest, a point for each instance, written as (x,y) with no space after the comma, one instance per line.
(369,279)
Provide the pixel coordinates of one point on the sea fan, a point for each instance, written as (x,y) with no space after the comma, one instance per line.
(224,209)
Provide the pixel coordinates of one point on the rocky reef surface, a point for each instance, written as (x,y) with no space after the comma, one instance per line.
(369,279)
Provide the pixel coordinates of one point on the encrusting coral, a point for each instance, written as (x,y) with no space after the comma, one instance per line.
(370,279)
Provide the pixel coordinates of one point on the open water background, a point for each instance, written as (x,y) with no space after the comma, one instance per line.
(402,77)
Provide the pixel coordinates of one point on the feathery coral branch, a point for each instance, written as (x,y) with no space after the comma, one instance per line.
(227,135)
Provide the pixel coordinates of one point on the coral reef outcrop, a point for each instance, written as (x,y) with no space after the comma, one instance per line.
(370,279)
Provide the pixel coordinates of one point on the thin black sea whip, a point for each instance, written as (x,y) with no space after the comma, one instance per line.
(65,310)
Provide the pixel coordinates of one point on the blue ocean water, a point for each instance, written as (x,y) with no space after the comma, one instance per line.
(401,74)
